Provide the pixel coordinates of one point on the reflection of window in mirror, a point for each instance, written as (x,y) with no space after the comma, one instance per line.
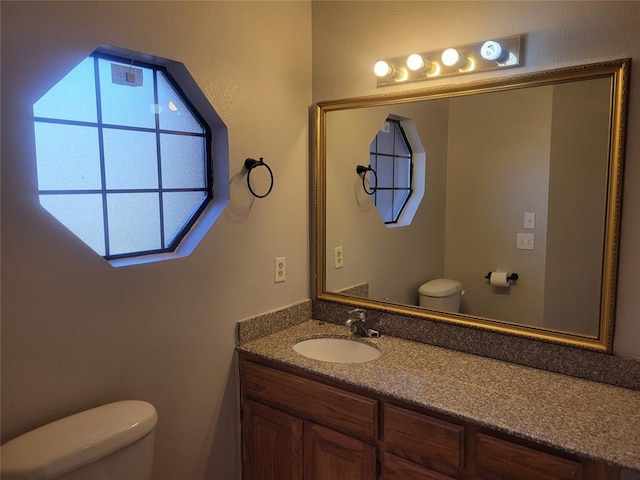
(398,158)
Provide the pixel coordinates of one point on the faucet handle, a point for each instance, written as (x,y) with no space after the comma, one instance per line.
(360,313)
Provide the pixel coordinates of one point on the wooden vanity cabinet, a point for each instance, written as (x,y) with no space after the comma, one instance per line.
(499,459)
(329,455)
(272,445)
(418,446)
(298,427)
(424,440)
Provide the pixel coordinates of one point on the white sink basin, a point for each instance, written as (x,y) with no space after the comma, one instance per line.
(337,350)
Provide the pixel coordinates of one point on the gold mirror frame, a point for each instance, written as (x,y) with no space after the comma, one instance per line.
(618,72)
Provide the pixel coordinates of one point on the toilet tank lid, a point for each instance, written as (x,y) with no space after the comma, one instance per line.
(440,287)
(77,440)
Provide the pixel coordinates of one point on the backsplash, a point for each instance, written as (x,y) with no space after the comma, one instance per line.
(262,325)
(577,362)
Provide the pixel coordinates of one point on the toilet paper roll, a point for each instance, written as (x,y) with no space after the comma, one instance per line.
(499,279)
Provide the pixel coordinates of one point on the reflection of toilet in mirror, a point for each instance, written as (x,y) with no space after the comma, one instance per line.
(441,294)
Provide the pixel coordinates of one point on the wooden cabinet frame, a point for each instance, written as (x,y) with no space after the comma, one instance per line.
(333,431)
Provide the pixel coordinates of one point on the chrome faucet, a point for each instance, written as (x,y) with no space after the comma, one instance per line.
(357,324)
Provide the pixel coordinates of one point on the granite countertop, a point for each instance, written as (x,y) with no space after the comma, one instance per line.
(587,418)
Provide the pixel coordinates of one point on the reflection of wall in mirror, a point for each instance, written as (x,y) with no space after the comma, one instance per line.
(577,198)
(506,153)
(394,261)
(498,169)
(560,134)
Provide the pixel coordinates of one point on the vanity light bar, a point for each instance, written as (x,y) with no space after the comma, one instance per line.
(478,57)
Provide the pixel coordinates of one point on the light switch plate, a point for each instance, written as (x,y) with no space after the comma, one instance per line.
(529,220)
(525,241)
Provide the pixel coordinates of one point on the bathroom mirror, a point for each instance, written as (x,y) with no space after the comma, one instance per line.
(523,175)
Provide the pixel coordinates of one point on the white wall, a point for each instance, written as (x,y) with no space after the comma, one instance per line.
(77,332)
(349,37)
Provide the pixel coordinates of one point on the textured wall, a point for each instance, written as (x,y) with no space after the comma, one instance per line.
(77,332)
(349,37)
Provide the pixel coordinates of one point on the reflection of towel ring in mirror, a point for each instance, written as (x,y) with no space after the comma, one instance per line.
(250,164)
(362,170)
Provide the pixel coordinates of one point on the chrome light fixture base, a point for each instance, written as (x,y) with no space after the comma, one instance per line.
(492,54)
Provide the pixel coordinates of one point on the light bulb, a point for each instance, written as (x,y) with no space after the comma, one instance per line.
(451,57)
(512,59)
(401,75)
(415,62)
(491,50)
(434,71)
(382,69)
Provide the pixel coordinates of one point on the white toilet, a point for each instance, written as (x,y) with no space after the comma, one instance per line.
(442,294)
(111,442)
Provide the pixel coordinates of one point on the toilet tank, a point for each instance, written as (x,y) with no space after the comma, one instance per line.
(442,294)
(110,442)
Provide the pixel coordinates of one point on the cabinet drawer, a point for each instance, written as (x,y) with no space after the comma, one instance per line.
(502,460)
(395,468)
(312,400)
(424,440)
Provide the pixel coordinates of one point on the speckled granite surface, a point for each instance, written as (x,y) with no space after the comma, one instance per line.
(577,362)
(270,322)
(587,418)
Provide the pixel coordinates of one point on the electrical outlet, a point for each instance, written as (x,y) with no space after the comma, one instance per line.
(338,257)
(525,241)
(280,269)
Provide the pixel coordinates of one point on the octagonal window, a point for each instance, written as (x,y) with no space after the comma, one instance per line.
(125,159)
(398,160)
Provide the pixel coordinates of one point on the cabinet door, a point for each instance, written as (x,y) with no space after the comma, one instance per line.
(272,444)
(329,455)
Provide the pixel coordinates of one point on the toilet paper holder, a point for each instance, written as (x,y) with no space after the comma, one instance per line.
(513,277)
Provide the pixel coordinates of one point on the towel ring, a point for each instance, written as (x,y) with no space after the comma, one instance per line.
(362,170)
(250,164)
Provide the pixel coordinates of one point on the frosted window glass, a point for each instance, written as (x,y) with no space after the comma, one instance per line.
(68,157)
(385,172)
(384,201)
(384,142)
(131,159)
(400,196)
(401,147)
(134,222)
(183,161)
(127,105)
(72,98)
(179,207)
(103,165)
(173,112)
(373,161)
(402,172)
(82,214)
